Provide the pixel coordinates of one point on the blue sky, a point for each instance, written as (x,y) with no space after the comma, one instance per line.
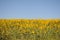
(29,8)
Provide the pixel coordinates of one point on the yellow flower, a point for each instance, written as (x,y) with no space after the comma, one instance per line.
(56,31)
(41,27)
(33,32)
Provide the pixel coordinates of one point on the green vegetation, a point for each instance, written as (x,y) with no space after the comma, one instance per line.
(25,29)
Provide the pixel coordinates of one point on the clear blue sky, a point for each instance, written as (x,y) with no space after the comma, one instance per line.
(29,8)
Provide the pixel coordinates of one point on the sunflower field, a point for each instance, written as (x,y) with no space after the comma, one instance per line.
(29,29)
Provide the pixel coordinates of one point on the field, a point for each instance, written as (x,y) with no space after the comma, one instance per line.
(29,29)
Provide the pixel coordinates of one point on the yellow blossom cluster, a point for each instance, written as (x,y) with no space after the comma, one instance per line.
(29,29)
